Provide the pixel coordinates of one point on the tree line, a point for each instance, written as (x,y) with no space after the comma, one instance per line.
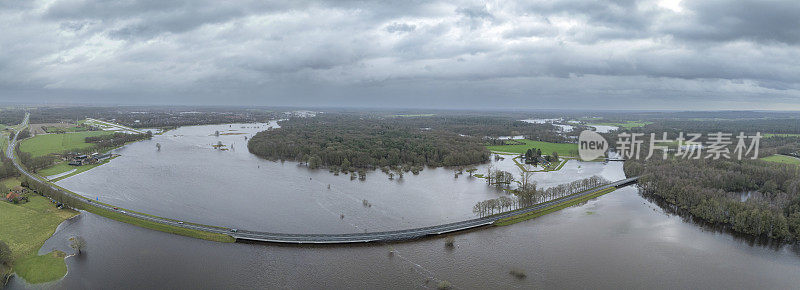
(526,195)
(349,143)
(752,197)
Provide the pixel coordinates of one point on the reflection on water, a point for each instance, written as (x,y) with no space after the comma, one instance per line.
(619,240)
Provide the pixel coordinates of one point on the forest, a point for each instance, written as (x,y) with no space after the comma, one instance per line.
(349,142)
(752,197)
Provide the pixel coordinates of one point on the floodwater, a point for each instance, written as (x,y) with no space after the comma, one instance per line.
(619,240)
(604,128)
(187,179)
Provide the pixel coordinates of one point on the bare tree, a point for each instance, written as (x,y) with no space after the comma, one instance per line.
(77,243)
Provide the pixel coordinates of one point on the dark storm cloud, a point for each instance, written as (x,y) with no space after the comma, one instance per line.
(534,54)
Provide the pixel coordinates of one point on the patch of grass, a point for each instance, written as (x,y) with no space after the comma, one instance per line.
(10,182)
(25,227)
(39,269)
(781,159)
(563,149)
(552,167)
(78,169)
(554,208)
(768,135)
(161,227)
(41,145)
(57,169)
(626,125)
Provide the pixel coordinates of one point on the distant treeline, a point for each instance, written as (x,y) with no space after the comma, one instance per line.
(151,117)
(11,116)
(348,142)
(116,139)
(483,126)
(713,190)
(673,127)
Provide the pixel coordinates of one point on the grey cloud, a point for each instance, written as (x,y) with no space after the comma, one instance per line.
(400,27)
(714,20)
(402,53)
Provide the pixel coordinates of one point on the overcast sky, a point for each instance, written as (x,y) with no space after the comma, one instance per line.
(571,54)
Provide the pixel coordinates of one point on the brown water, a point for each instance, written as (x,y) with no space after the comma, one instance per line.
(619,240)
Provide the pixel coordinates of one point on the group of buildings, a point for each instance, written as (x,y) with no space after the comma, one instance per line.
(80,160)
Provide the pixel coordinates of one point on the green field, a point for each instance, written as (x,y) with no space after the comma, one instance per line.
(56,143)
(767,135)
(563,149)
(781,159)
(25,228)
(64,167)
(626,125)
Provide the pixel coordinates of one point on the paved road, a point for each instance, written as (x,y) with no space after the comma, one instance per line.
(321,238)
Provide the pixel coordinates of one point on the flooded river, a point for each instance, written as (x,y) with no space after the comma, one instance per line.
(619,240)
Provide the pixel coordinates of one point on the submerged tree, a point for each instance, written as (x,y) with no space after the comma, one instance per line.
(77,243)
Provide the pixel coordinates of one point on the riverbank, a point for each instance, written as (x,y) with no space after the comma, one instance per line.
(25,227)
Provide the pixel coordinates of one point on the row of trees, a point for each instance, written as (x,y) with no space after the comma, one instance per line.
(55,194)
(116,139)
(350,143)
(750,196)
(527,195)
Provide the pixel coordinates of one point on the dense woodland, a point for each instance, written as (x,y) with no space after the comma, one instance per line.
(349,142)
(751,196)
(11,116)
(483,126)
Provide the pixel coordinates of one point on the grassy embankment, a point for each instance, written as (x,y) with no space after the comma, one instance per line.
(782,159)
(161,227)
(25,228)
(553,208)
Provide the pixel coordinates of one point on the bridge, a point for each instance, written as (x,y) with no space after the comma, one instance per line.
(245,235)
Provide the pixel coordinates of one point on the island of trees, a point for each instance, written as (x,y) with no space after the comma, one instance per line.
(349,143)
